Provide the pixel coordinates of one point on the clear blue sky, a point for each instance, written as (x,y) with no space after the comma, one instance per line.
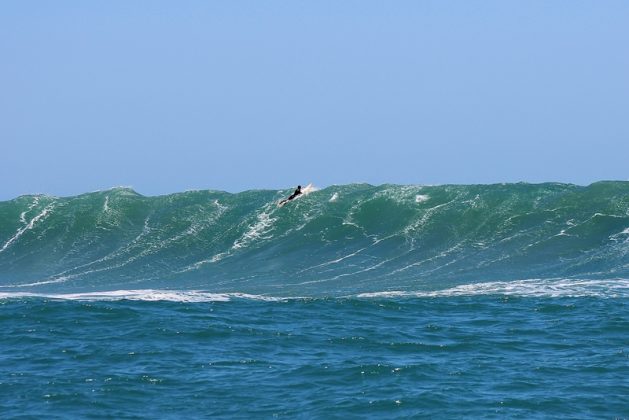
(166,96)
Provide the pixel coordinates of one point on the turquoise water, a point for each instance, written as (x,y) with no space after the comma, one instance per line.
(488,301)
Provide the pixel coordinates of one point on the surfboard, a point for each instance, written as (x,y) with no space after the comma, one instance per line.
(307,190)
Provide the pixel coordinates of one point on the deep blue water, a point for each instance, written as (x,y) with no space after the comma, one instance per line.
(490,301)
(468,356)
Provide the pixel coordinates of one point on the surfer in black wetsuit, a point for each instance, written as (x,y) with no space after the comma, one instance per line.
(293,195)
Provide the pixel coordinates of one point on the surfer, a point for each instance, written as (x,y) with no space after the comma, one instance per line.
(293,195)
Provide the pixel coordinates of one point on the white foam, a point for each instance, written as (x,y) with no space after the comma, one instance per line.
(613,288)
(426,216)
(420,198)
(334,197)
(526,288)
(563,233)
(44,213)
(150,295)
(474,202)
(333,261)
(30,207)
(256,231)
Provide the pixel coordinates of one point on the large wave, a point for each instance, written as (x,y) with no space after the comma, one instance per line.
(350,239)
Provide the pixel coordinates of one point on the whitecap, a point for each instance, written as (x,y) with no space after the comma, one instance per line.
(149,295)
(610,288)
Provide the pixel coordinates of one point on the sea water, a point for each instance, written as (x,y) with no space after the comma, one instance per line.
(489,301)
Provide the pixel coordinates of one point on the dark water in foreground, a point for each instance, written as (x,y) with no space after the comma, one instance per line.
(487,356)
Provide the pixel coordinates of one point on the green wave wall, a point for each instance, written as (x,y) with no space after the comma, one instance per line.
(337,240)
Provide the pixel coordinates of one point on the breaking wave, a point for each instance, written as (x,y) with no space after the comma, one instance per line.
(358,240)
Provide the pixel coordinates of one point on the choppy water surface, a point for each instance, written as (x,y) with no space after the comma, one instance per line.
(481,356)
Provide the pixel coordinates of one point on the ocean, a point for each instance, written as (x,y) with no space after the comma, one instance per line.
(353,301)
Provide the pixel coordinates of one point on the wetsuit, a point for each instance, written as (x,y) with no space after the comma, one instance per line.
(295,194)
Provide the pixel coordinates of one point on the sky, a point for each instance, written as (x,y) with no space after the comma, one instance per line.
(168,96)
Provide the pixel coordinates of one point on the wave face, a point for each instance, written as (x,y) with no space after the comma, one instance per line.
(341,240)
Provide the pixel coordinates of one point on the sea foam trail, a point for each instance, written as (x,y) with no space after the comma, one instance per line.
(537,288)
(337,241)
(28,225)
(148,295)
(554,288)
